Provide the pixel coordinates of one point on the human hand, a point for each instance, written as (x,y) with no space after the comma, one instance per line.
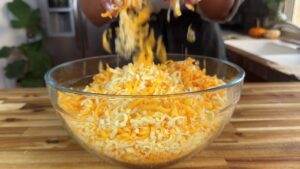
(111,7)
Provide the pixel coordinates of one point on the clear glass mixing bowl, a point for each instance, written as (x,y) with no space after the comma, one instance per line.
(150,144)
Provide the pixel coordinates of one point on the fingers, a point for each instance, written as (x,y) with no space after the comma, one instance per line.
(111,7)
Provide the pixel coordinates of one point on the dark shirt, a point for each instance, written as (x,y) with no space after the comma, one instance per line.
(208,35)
(208,42)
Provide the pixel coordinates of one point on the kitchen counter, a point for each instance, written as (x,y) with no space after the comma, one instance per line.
(264,132)
(271,60)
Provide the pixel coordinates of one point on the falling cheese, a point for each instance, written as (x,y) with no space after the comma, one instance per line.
(161,52)
(190,6)
(175,4)
(107,34)
(191,35)
(133,31)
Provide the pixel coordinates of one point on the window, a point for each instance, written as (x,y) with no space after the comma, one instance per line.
(59,17)
(58,3)
(296,13)
(292,10)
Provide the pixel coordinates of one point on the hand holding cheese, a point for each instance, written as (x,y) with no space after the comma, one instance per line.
(217,10)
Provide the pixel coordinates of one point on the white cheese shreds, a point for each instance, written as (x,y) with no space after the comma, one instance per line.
(107,34)
(149,130)
(152,128)
(191,35)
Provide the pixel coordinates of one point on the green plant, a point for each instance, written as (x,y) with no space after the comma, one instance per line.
(274,8)
(25,17)
(29,70)
(5,52)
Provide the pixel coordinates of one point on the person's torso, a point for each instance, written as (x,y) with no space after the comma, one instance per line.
(208,39)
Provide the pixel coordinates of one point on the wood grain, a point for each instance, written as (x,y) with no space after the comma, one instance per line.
(264,132)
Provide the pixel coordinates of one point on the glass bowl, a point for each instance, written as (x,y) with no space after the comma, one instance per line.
(163,130)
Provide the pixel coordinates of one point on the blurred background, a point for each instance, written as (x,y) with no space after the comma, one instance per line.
(39,34)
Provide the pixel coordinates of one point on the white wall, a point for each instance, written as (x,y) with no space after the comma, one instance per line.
(8,35)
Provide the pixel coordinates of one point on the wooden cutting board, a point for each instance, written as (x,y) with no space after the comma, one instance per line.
(264,132)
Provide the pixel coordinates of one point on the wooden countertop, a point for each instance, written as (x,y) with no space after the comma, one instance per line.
(264,132)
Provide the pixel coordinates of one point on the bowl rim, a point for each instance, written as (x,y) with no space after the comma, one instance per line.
(50,82)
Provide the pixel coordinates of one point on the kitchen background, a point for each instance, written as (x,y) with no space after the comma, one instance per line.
(32,41)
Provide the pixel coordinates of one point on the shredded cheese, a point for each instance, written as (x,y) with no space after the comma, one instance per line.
(152,128)
(107,34)
(190,6)
(191,35)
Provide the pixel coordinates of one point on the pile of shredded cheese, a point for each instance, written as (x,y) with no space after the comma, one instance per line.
(157,125)
(149,130)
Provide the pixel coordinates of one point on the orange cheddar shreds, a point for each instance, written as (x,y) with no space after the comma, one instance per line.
(107,34)
(150,128)
(137,129)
